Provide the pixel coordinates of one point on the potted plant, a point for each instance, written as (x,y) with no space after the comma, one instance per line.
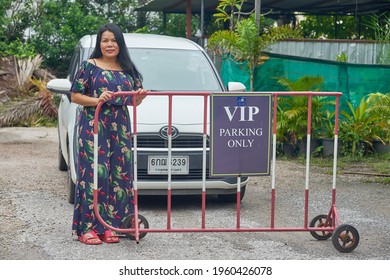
(293,111)
(380,109)
(357,129)
(285,132)
(327,135)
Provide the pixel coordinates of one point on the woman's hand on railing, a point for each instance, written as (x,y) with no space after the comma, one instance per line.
(140,95)
(105,96)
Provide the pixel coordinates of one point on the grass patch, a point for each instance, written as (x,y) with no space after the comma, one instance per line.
(374,167)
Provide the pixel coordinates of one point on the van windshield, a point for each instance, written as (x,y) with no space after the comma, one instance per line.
(175,70)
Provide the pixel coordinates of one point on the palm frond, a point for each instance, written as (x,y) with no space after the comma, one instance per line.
(20,111)
(305,83)
(25,68)
(47,105)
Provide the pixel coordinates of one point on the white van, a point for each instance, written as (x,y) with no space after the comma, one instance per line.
(167,64)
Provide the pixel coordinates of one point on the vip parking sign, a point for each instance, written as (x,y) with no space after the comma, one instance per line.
(240,134)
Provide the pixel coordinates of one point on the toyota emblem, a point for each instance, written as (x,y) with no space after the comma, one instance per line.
(164,132)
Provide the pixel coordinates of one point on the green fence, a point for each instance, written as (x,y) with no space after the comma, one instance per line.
(353,80)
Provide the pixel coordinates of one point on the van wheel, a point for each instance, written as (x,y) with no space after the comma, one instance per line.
(71,185)
(232,197)
(62,166)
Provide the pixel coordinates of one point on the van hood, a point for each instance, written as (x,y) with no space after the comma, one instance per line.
(187,114)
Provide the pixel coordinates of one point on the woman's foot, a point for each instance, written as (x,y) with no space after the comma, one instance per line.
(109,237)
(90,238)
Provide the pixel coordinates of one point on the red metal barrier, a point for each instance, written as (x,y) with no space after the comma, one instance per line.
(344,237)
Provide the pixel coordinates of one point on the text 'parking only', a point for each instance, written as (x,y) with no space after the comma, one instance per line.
(240,134)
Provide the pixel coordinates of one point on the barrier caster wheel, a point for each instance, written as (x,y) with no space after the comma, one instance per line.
(345,238)
(317,222)
(142,223)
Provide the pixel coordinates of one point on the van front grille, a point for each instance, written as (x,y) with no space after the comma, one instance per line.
(182,141)
(195,174)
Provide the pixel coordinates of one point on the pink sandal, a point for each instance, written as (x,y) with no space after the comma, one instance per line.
(90,238)
(109,237)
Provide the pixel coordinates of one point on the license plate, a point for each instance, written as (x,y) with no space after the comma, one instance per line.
(158,165)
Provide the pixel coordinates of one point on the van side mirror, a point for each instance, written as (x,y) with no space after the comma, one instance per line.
(236,86)
(61,86)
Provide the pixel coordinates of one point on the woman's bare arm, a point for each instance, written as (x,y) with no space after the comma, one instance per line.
(85,100)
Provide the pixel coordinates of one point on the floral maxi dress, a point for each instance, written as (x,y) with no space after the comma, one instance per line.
(115,193)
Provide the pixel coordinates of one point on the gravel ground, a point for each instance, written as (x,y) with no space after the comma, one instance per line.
(36,217)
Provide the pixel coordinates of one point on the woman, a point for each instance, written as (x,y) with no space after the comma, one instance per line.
(108,70)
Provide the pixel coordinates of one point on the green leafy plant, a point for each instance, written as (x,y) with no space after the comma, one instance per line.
(380,109)
(293,110)
(332,27)
(17,49)
(222,42)
(342,57)
(380,23)
(245,44)
(229,10)
(356,129)
(250,45)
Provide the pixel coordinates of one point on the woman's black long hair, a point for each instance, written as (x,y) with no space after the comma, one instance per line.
(123,57)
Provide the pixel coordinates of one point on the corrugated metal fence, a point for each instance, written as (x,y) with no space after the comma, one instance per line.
(357,51)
